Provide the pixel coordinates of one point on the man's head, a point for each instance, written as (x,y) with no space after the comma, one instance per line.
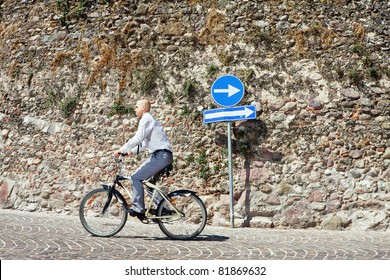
(142,107)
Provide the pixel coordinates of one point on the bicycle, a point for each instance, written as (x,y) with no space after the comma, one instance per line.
(180,214)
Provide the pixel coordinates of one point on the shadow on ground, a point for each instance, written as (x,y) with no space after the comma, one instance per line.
(213,238)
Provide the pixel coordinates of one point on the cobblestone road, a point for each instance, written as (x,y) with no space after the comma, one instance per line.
(45,236)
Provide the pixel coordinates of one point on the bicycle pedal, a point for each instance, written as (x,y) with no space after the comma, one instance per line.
(145,221)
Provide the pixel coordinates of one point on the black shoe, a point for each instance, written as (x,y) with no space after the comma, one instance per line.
(134,213)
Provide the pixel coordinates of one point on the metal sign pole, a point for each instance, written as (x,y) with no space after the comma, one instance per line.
(227,91)
(230,173)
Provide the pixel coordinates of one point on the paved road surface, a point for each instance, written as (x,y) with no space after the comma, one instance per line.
(48,236)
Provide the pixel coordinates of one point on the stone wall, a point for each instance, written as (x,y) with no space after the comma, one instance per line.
(318,154)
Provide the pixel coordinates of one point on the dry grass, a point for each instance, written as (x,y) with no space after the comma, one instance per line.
(84,50)
(359,30)
(108,56)
(213,33)
(325,35)
(299,37)
(124,65)
(59,58)
(9,31)
(92,77)
(106,60)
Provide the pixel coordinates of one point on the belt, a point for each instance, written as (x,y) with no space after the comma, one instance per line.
(162,150)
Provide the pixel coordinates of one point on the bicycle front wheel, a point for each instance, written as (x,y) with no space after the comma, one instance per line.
(189,222)
(101,213)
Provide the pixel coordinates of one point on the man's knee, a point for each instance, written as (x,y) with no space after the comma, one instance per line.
(135,180)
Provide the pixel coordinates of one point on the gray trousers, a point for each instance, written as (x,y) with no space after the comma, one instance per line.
(148,168)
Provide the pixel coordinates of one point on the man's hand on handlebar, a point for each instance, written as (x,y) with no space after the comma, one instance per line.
(117,154)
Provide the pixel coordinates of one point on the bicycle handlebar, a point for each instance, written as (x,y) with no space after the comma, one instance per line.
(119,159)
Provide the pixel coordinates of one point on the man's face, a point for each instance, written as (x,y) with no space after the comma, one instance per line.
(139,109)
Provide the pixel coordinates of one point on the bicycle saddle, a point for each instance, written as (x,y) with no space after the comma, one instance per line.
(165,171)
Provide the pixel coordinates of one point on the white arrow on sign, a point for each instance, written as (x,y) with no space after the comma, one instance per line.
(245,112)
(231,90)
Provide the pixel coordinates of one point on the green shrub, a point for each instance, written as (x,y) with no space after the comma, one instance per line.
(169,97)
(189,88)
(355,76)
(121,109)
(186,110)
(373,73)
(69,105)
(212,70)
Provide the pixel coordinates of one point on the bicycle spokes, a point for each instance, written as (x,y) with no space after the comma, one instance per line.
(189,223)
(101,213)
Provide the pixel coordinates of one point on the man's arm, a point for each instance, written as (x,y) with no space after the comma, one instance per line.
(143,130)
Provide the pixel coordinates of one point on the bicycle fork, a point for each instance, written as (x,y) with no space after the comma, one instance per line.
(110,192)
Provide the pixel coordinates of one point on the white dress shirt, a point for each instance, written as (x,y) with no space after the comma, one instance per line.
(150,134)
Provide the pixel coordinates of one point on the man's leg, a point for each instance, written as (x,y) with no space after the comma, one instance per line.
(150,167)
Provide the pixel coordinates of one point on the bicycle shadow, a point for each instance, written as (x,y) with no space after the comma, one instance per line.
(210,238)
(248,137)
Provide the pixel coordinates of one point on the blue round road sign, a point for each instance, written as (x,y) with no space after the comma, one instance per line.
(227,90)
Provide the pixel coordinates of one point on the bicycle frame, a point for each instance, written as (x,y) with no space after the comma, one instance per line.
(163,195)
(104,211)
(119,177)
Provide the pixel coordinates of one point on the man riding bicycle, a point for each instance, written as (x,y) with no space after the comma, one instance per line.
(150,134)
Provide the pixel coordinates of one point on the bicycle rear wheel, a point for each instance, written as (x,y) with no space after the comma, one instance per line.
(191,220)
(101,213)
